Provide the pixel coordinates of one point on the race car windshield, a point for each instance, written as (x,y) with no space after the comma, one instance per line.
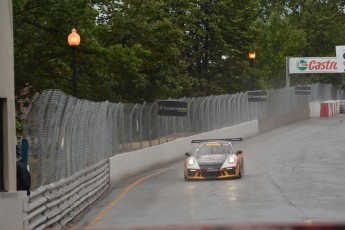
(212,149)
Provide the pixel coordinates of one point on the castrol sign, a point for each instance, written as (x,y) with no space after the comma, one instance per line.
(313,65)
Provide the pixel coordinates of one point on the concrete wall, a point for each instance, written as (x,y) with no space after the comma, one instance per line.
(11,202)
(7,96)
(273,122)
(132,163)
(315,109)
(329,108)
(11,210)
(325,108)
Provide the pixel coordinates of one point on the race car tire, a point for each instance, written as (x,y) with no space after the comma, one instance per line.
(185,178)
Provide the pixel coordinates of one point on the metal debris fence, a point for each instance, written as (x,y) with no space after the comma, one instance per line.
(67,135)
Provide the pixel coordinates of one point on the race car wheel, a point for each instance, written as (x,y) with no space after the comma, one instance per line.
(185,178)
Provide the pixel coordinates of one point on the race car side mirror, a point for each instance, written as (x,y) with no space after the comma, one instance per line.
(188,154)
(239,152)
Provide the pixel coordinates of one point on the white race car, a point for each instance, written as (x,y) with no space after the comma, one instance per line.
(215,159)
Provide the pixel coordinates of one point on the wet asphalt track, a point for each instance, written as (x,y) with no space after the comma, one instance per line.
(292,174)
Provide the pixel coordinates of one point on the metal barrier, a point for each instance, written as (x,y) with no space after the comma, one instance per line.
(54,205)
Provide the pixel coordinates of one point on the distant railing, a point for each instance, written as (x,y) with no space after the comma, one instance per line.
(67,135)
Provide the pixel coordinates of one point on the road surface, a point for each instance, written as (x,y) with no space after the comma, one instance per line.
(294,174)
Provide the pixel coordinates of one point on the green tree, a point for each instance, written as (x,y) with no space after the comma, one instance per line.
(135,50)
(213,29)
(323,21)
(42,55)
(278,38)
(134,24)
(108,68)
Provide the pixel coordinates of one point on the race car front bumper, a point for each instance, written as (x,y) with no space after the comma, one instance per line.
(200,174)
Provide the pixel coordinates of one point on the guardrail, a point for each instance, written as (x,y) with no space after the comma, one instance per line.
(56,204)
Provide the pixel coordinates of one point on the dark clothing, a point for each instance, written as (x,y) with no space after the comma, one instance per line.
(18,151)
(23,177)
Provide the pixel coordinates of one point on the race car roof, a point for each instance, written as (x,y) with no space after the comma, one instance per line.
(221,139)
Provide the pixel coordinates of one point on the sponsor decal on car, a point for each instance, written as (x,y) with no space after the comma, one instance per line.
(212,170)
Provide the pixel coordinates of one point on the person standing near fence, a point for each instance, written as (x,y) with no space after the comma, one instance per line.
(23,174)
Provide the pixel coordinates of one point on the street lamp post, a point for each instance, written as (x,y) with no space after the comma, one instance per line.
(74,41)
(251,56)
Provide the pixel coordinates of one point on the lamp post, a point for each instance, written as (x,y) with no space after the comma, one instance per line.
(251,56)
(74,41)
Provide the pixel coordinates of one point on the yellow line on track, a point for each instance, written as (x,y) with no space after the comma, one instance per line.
(105,211)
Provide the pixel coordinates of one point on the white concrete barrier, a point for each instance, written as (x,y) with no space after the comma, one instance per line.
(342,106)
(325,108)
(329,108)
(11,210)
(132,163)
(315,109)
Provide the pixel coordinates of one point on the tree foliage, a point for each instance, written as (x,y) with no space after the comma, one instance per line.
(278,38)
(298,28)
(324,23)
(135,50)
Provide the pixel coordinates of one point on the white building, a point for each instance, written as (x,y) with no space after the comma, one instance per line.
(11,202)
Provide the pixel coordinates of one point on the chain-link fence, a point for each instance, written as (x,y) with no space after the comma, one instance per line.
(67,135)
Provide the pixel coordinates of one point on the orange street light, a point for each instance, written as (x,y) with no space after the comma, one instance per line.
(251,55)
(74,38)
(74,41)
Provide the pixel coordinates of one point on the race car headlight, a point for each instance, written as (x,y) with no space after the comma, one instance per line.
(232,160)
(191,161)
